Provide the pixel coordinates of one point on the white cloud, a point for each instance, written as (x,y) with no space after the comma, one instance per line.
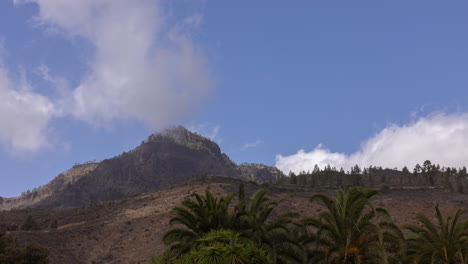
(145,66)
(251,145)
(24,115)
(441,138)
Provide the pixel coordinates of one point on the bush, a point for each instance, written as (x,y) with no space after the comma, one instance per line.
(11,252)
(31,254)
(219,247)
(29,224)
(54,224)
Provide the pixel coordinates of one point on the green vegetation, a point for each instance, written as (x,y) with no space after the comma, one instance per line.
(429,175)
(54,224)
(30,224)
(220,246)
(11,252)
(445,241)
(249,217)
(198,217)
(350,230)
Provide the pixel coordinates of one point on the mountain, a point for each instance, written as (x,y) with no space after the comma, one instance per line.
(164,159)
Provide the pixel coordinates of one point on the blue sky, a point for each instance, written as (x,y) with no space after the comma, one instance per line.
(371,81)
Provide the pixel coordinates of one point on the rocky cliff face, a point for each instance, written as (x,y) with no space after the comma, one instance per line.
(162,160)
(260,172)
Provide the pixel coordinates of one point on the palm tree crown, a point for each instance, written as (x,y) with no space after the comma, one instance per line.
(351,230)
(198,217)
(444,242)
(251,218)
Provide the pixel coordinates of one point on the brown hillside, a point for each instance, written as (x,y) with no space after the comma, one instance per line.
(130,230)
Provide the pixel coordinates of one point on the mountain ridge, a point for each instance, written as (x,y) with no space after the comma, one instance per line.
(164,159)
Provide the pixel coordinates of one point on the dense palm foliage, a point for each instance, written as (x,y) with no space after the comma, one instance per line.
(443,242)
(250,217)
(349,230)
(254,220)
(352,230)
(198,217)
(222,246)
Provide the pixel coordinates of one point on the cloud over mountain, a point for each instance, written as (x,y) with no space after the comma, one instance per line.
(145,66)
(441,138)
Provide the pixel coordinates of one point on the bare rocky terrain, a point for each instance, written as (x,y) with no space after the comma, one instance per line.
(130,230)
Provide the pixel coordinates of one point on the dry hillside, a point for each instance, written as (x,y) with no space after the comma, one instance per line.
(130,230)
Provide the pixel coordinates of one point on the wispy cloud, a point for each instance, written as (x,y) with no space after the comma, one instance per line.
(24,115)
(441,138)
(251,145)
(145,66)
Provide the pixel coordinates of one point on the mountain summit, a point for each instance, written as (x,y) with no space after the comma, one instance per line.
(164,159)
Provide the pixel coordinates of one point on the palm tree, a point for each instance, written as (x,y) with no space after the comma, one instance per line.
(198,217)
(254,220)
(251,217)
(443,242)
(351,230)
(388,245)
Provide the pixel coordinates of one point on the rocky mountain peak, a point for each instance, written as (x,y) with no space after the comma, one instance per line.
(164,159)
(184,137)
